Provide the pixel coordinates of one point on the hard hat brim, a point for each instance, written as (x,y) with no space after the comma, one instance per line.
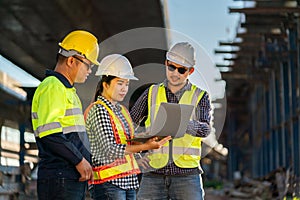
(172,58)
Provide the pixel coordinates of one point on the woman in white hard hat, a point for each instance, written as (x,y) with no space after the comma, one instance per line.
(109,128)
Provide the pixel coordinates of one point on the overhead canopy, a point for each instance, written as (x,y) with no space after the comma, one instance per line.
(30,31)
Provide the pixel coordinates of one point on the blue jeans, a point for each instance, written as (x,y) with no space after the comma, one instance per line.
(61,188)
(107,191)
(160,187)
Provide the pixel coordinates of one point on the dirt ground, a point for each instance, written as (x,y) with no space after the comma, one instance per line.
(214,195)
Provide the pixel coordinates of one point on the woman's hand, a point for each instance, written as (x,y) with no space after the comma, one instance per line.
(155,143)
(152,143)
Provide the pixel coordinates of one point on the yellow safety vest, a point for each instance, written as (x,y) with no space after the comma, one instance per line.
(121,167)
(60,114)
(186,151)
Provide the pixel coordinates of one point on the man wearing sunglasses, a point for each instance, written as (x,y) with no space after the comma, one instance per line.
(176,168)
(57,120)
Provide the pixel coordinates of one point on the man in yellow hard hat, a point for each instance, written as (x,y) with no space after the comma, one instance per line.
(176,167)
(64,166)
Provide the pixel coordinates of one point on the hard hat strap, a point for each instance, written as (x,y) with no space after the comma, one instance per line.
(69,53)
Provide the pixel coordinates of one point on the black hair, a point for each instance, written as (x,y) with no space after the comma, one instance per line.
(60,58)
(99,89)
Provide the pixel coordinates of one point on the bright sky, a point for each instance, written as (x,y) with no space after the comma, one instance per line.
(205,23)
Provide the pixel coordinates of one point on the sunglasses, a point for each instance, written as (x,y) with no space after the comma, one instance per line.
(181,70)
(89,66)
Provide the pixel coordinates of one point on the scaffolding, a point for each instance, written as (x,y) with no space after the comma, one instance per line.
(262,129)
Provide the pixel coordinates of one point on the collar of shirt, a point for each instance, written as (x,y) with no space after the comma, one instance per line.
(60,77)
(115,108)
(179,93)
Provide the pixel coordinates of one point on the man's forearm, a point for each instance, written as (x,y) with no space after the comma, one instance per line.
(198,129)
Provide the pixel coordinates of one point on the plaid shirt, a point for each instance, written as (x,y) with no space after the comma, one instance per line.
(104,148)
(198,128)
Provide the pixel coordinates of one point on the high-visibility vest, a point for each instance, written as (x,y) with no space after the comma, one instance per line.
(121,167)
(186,151)
(62,114)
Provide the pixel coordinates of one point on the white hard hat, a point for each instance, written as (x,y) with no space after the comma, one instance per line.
(116,65)
(183,54)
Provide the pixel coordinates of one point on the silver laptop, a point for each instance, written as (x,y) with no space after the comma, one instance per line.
(171,119)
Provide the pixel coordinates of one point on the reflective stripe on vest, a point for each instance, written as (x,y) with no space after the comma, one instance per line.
(121,167)
(56,120)
(118,169)
(186,151)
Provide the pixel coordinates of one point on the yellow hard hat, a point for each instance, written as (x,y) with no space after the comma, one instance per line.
(80,43)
